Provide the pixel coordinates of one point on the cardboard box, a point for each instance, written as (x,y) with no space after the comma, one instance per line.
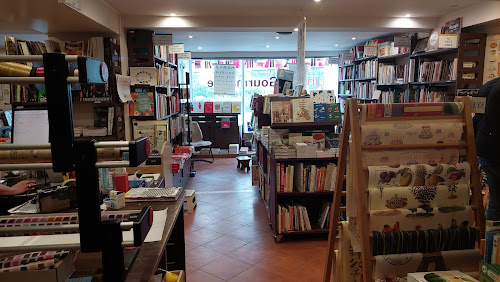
(450,275)
(60,273)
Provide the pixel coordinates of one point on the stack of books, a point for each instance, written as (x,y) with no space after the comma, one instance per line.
(95,131)
(327,153)
(305,151)
(284,152)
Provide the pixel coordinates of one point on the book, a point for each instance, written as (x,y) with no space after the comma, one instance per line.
(320,114)
(303,110)
(236,107)
(323,96)
(73,48)
(332,140)
(208,107)
(333,112)
(111,119)
(143,76)
(197,107)
(319,140)
(294,137)
(100,116)
(278,137)
(281,112)
(142,104)
(226,107)
(217,107)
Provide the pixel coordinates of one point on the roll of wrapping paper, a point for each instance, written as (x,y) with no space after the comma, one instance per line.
(16,69)
(44,264)
(391,266)
(424,241)
(30,257)
(45,156)
(388,198)
(54,220)
(412,110)
(419,219)
(411,133)
(409,157)
(418,175)
(350,261)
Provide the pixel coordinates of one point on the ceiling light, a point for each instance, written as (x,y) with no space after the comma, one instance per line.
(190,36)
(277,37)
(336,45)
(267,46)
(408,15)
(354,38)
(317,0)
(199,48)
(173,14)
(296,29)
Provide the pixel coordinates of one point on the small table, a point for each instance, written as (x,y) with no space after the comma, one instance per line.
(243,162)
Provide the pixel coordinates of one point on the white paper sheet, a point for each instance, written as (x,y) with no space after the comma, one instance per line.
(156,231)
(123,87)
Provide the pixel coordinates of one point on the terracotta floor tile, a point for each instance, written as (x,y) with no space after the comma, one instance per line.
(191,245)
(201,256)
(225,244)
(251,254)
(224,226)
(306,273)
(267,242)
(302,252)
(201,276)
(190,269)
(256,274)
(247,233)
(280,264)
(225,267)
(191,228)
(205,219)
(202,236)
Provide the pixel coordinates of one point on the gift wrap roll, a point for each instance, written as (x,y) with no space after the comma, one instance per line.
(409,157)
(388,198)
(394,110)
(390,266)
(411,133)
(350,262)
(419,219)
(418,175)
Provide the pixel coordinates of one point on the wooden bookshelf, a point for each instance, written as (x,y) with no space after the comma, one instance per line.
(305,193)
(437,52)
(305,159)
(304,124)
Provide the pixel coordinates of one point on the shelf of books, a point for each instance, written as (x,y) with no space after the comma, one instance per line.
(97,110)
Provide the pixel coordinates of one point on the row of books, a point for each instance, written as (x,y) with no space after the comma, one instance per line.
(104,117)
(492,242)
(423,95)
(175,126)
(167,105)
(304,177)
(162,52)
(346,73)
(90,131)
(91,92)
(320,140)
(346,87)
(365,89)
(429,96)
(215,107)
(303,110)
(302,151)
(16,46)
(392,74)
(395,96)
(295,216)
(437,71)
(367,69)
(24,93)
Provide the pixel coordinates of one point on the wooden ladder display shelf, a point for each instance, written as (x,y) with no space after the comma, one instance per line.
(354,118)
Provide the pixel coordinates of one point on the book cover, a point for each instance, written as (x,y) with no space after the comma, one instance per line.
(217,107)
(73,48)
(236,107)
(320,114)
(101,117)
(281,112)
(319,140)
(142,104)
(197,107)
(323,96)
(331,140)
(307,138)
(303,110)
(208,107)
(143,76)
(226,107)
(278,137)
(294,137)
(333,112)
(225,123)
(284,74)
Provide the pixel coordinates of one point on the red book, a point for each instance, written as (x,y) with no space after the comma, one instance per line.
(209,107)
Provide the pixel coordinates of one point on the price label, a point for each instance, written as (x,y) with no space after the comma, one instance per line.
(333,60)
(184,56)
(370,51)
(176,48)
(162,40)
(402,41)
(478,104)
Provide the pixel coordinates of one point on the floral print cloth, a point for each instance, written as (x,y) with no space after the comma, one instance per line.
(350,262)
(411,109)
(409,157)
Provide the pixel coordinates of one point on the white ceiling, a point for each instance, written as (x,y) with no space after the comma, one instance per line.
(244,8)
(257,41)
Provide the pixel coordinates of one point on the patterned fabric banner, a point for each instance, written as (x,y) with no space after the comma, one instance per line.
(391,266)
(419,219)
(412,109)
(349,260)
(31,266)
(411,133)
(30,257)
(409,157)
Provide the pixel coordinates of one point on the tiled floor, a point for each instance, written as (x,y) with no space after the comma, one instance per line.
(228,237)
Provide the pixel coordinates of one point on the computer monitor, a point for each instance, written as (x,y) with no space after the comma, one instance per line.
(30,126)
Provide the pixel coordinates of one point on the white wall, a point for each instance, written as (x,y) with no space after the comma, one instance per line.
(479,13)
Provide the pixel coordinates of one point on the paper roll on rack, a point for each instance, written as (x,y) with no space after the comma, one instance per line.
(45,156)
(16,69)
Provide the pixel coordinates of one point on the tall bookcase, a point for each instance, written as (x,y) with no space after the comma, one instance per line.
(468,61)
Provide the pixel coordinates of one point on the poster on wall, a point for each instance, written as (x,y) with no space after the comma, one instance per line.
(492,58)
(224,79)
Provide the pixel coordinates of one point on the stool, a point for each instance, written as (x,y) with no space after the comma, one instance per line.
(189,201)
(243,162)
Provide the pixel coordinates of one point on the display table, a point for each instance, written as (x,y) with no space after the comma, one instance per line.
(168,253)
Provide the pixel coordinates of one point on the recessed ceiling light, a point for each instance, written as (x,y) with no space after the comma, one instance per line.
(408,15)
(317,0)
(354,38)
(277,37)
(336,45)
(267,46)
(296,29)
(190,36)
(173,14)
(199,48)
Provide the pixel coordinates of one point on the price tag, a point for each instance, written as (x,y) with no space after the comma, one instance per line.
(162,40)
(333,60)
(402,41)
(176,48)
(478,104)
(370,51)
(184,56)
